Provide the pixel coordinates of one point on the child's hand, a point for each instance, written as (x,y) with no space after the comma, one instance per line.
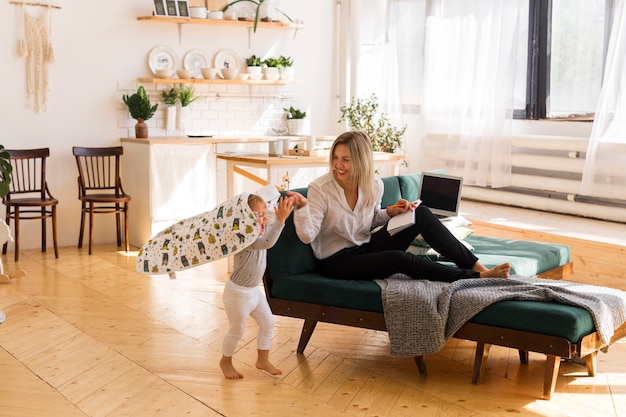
(284,209)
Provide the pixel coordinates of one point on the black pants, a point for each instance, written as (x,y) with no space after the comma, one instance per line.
(386,255)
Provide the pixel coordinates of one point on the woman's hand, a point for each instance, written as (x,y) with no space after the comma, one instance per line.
(402,206)
(297,199)
(284,209)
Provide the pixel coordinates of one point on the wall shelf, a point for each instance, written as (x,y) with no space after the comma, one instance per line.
(235,23)
(220,81)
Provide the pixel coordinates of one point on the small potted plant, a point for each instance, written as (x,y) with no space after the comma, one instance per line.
(186,96)
(286,69)
(254,64)
(295,120)
(170,97)
(141,110)
(271,68)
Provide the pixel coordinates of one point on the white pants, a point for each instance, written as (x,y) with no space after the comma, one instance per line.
(239,303)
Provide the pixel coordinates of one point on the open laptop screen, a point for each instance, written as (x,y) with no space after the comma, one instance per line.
(441,193)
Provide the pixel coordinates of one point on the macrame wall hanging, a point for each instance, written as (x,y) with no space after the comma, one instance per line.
(35,45)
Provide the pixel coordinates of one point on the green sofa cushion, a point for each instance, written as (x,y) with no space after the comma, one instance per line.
(547,318)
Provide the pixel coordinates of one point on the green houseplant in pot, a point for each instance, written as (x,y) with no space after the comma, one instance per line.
(170,97)
(5,233)
(362,114)
(5,172)
(286,68)
(141,110)
(295,120)
(186,96)
(271,68)
(254,64)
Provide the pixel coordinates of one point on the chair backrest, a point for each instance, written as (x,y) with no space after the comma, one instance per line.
(29,171)
(98,169)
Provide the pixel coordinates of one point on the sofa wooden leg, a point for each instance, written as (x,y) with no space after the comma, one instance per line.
(552,372)
(523,356)
(307,332)
(420,361)
(591,361)
(480,361)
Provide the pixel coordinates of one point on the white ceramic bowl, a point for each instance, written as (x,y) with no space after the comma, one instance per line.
(184,74)
(197,12)
(243,76)
(164,73)
(230,73)
(209,73)
(219,15)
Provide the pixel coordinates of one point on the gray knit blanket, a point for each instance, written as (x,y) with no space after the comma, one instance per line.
(421,316)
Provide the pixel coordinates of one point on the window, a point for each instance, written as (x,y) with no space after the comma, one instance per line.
(561,76)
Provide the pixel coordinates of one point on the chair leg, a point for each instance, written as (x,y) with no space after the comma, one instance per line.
(44,240)
(126,227)
(82,225)
(54,232)
(118,224)
(90,226)
(17,233)
(8,222)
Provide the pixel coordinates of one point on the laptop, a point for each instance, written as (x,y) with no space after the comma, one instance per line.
(441,193)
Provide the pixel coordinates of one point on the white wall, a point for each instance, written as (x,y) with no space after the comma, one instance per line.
(101,48)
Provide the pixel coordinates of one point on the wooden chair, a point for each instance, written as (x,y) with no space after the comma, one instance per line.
(100,189)
(29,197)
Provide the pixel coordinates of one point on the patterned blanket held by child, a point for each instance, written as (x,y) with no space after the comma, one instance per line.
(204,238)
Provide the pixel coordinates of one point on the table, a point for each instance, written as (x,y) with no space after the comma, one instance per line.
(275,166)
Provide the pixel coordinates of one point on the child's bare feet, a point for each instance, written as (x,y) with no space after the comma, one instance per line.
(498,271)
(226,364)
(263,363)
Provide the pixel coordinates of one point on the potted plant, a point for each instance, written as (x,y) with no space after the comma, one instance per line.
(5,172)
(295,120)
(271,68)
(286,69)
(254,64)
(141,110)
(170,97)
(263,7)
(186,96)
(362,114)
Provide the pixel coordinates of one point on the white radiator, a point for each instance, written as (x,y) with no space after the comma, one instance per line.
(547,173)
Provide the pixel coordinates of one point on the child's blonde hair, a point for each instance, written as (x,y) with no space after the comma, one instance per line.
(255,199)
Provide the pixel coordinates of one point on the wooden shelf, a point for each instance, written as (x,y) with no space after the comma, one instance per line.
(235,23)
(220,81)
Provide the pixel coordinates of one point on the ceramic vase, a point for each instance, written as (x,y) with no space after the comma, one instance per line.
(182,118)
(170,118)
(141,129)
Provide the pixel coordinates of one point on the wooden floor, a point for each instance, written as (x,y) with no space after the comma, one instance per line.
(88,336)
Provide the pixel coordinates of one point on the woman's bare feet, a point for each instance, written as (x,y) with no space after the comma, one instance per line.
(498,271)
(263,363)
(226,364)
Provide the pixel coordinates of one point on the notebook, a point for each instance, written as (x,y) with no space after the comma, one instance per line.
(441,193)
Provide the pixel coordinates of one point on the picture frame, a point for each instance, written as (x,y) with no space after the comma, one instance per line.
(183,8)
(171,8)
(159,8)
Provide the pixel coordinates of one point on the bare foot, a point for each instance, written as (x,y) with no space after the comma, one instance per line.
(498,271)
(268,367)
(226,364)
(263,363)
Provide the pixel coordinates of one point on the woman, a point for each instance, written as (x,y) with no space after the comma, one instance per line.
(343,206)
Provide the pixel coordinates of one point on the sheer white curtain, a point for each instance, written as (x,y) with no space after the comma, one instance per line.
(469,59)
(371,56)
(604,173)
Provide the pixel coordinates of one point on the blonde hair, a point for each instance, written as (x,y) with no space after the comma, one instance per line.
(254,199)
(359,147)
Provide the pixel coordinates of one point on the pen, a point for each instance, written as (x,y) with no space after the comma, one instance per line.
(399,205)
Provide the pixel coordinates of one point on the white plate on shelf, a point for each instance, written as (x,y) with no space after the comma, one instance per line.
(162,57)
(227,58)
(194,60)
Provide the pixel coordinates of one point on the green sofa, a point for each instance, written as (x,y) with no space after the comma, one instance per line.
(294,288)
